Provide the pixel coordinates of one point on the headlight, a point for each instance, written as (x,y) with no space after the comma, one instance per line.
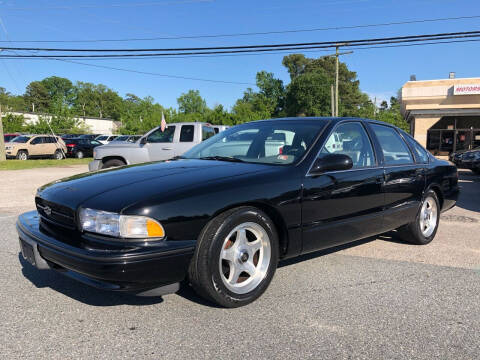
(8,147)
(116,225)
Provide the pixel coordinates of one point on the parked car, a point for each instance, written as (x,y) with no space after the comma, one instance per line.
(456,157)
(470,160)
(126,138)
(8,137)
(89,136)
(155,145)
(223,221)
(24,147)
(80,148)
(105,139)
(70,136)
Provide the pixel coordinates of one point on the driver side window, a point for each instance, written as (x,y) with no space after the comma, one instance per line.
(159,136)
(350,139)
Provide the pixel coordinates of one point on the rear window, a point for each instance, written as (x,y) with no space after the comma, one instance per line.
(395,151)
(420,153)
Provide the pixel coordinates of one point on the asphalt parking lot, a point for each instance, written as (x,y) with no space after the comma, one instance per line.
(377,298)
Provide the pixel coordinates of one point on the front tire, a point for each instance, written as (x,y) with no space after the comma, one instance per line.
(22,155)
(235,258)
(58,155)
(424,228)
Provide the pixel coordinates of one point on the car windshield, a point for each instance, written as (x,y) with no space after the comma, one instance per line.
(20,139)
(269,142)
(121,138)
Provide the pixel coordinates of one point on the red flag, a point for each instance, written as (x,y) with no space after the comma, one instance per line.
(163,124)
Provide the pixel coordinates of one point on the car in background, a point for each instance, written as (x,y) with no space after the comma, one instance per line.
(155,145)
(89,136)
(8,137)
(470,160)
(456,157)
(126,138)
(105,139)
(24,147)
(221,222)
(80,148)
(220,128)
(70,136)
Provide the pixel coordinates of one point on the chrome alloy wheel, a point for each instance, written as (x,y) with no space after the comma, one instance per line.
(428,216)
(245,257)
(23,156)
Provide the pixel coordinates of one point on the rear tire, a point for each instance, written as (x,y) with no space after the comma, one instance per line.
(235,258)
(112,163)
(22,155)
(423,229)
(79,155)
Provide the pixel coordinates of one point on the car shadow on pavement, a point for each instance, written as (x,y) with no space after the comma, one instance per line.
(469,197)
(81,292)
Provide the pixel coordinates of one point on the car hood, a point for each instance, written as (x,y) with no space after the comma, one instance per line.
(115,189)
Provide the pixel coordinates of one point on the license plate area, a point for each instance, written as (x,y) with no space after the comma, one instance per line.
(27,252)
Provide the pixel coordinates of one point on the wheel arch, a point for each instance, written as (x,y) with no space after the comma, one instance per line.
(438,190)
(114,157)
(273,214)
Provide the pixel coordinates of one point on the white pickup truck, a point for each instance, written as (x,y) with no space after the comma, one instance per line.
(155,145)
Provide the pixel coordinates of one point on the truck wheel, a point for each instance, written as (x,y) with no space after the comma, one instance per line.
(112,163)
(423,229)
(22,155)
(235,258)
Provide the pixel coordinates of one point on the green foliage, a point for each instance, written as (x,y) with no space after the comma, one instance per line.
(13,123)
(191,103)
(309,95)
(392,115)
(36,95)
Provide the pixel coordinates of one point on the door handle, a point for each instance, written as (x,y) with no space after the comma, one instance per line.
(167,148)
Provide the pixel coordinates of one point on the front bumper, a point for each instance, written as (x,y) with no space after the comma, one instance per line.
(94,165)
(125,269)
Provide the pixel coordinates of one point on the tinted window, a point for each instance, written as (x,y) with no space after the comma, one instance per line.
(207,132)
(420,153)
(395,151)
(186,133)
(159,136)
(217,130)
(255,142)
(350,139)
(37,140)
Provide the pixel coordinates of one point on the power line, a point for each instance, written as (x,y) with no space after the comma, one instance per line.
(257,33)
(260,46)
(353,43)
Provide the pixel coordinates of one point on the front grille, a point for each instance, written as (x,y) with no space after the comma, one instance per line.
(56,214)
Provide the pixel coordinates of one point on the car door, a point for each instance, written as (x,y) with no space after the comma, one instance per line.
(36,147)
(404,178)
(343,206)
(160,143)
(186,139)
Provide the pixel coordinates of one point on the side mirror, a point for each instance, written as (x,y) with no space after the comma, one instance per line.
(143,140)
(331,162)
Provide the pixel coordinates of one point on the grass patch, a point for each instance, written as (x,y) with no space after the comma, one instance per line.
(31,164)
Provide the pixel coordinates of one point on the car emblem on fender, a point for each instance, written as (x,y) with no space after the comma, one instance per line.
(47,210)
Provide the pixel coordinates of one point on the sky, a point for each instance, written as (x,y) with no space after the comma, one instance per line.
(381,72)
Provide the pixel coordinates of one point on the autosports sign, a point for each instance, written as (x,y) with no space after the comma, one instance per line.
(472,89)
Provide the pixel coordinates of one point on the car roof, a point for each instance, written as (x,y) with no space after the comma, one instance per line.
(329,119)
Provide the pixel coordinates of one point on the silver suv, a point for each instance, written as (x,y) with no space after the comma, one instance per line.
(155,145)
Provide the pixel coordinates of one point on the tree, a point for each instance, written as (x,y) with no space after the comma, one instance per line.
(273,91)
(309,95)
(13,123)
(191,102)
(84,99)
(37,96)
(59,89)
(295,64)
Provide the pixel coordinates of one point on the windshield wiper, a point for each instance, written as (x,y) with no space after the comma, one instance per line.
(222,158)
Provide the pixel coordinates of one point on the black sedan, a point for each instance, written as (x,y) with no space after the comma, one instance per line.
(470,160)
(222,215)
(80,147)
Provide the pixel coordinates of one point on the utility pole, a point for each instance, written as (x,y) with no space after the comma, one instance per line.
(332,102)
(2,140)
(336,81)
